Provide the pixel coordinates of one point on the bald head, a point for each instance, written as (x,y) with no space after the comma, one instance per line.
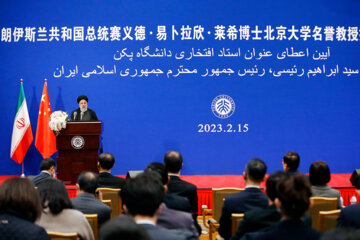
(173,161)
(88,182)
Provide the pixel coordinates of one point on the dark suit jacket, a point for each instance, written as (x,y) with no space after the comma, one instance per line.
(41,177)
(159,233)
(185,189)
(350,217)
(110,181)
(88,204)
(173,219)
(290,229)
(177,202)
(93,116)
(249,199)
(13,226)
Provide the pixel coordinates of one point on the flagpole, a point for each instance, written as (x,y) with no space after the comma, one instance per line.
(22,170)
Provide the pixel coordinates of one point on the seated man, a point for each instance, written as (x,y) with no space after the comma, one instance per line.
(86,201)
(47,168)
(83,113)
(142,197)
(249,199)
(105,164)
(291,162)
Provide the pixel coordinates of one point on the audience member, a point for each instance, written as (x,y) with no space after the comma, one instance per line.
(20,206)
(86,201)
(47,168)
(319,177)
(57,214)
(122,227)
(341,234)
(142,197)
(249,199)
(173,163)
(293,200)
(291,163)
(105,164)
(350,215)
(170,218)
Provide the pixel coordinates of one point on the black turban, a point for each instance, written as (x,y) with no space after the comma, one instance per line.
(82,97)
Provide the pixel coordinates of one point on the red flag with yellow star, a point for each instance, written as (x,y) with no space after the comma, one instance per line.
(45,140)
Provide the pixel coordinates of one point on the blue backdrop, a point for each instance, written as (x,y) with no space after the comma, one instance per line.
(152,69)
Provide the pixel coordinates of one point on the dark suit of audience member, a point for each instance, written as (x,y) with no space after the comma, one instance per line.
(350,216)
(291,162)
(47,168)
(249,199)
(20,206)
(319,177)
(293,200)
(105,164)
(142,197)
(177,202)
(86,202)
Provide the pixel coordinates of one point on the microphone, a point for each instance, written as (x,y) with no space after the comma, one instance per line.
(81,115)
(75,113)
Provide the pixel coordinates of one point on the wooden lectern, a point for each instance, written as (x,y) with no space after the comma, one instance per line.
(78,147)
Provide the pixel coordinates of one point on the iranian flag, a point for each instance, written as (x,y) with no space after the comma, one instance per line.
(45,140)
(22,135)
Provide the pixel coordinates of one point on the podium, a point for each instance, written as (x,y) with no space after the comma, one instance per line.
(78,147)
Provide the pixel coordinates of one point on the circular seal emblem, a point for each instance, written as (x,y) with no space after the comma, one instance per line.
(223,106)
(77,142)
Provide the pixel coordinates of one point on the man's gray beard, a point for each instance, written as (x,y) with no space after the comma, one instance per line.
(83,109)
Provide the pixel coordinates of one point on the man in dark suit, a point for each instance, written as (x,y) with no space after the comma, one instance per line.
(291,162)
(142,197)
(83,113)
(47,168)
(86,201)
(350,216)
(249,199)
(105,164)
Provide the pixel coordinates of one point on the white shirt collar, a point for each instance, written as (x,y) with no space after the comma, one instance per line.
(173,174)
(145,221)
(252,186)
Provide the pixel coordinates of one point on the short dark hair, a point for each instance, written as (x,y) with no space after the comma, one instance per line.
(19,194)
(54,195)
(319,173)
(292,160)
(122,227)
(88,182)
(272,182)
(294,193)
(82,97)
(256,169)
(143,194)
(47,163)
(106,160)
(173,161)
(159,168)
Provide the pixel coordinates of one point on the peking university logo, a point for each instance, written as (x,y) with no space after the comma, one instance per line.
(223,106)
(77,142)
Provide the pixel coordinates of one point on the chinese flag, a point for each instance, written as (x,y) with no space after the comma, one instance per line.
(45,140)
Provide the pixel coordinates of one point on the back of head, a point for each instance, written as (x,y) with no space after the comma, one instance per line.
(122,227)
(143,195)
(19,194)
(294,193)
(292,160)
(319,173)
(106,160)
(272,182)
(160,169)
(88,182)
(54,195)
(173,161)
(46,164)
(256,170)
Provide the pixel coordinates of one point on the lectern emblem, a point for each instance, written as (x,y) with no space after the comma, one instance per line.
(223,106)
(77,142)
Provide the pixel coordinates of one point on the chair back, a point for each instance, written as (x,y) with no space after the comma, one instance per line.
(112,194)
(107,202)
(236,218)
(328,219)
(62,236)
(93,221)
(320,204)
(218,196)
